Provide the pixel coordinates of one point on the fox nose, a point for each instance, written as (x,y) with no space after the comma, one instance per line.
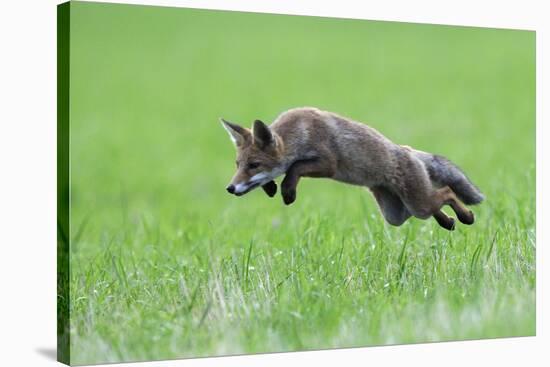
(230,189)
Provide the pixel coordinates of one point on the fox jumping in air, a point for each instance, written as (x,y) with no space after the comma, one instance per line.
(308,142)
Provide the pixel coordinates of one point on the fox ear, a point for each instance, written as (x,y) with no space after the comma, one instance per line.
(236,133)
(262,134)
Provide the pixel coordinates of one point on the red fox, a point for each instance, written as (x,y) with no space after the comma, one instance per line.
(308,142)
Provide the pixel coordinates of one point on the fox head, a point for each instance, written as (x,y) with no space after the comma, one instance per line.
(259,153)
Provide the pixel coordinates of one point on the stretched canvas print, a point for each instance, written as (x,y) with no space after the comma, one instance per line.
(234,183)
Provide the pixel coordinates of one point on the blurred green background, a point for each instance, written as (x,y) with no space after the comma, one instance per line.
(166,264)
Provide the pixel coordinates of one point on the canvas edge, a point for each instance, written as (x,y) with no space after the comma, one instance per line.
(63,194)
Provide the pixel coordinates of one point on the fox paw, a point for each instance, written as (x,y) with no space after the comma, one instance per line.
(270,188)
(289,196)
(466,218)
(451,225)
(446,222)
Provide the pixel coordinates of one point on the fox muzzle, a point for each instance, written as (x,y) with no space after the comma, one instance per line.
(245,187)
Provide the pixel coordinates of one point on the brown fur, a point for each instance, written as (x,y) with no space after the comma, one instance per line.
(308,142)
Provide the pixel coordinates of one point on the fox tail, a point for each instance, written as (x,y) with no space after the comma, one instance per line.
(445,172)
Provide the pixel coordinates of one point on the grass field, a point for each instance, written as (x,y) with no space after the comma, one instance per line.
(165,264)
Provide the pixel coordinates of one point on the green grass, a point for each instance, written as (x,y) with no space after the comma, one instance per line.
(165,264)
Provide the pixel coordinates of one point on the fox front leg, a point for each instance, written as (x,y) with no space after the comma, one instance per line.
(270,188)
(316,167)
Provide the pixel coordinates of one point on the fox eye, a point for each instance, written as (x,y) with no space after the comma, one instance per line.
(253,165)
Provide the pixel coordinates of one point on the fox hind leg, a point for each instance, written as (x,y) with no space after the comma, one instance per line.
(391,206)
(444,220)
(426,203)
(463,214)
(395,212)
(415,188)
